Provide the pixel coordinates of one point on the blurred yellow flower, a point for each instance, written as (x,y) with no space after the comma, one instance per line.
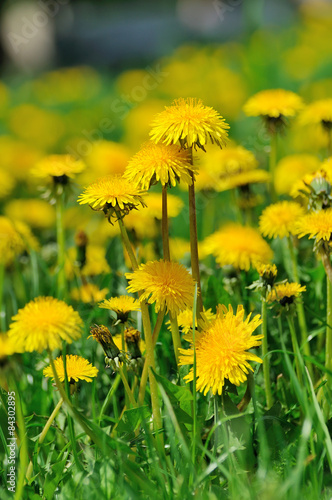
(273,103)
(44,323)
(239,246)
(191,123)
(222,350)
(165,284)
(6,183)
(179,247)
(141,223)
(168,164)
(320,177)
(319,112)
(88,293)
(95,263)
(291,169)
(58,166)
(316,225)
(154,205)
(285,293)
(77,368)
(122,306)
(242,179)
(279,220)
(17,157)
(37,213)
(11,241)
(7,346)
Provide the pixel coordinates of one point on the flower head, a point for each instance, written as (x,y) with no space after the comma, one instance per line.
(242,179)
(37,213)
(239,246)
(221,350)
(273,103)
(122,306)
(103,336)
(59,167)
(154,205)
(112,194)
(185,321)
(291,169)
(77,368)
(167,284)
(11,241)
(191,123)
(279,220)
(318,112)
(88,293)
(316,224)
(43,323)
(285,293)
(168,164)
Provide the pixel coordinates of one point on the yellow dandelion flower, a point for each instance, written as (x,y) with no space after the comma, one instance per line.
(179,248)
(58,166)
(185,321)
(191,123)
(154,205)
(168,164)
(77,368)
(29,239)
(11,242)
(273,103)
(293,168)
(113,192)
(88,293)
(165,284)
(239,246)
(36,213)
(267,271)
(233,160)
(7,346)
(6,183)
(316,224)
(222,350)
(242,179)
(285,293)
(43,323)
(318,112)
(122,306)
(279,220)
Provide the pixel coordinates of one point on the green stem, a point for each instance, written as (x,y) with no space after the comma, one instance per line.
(124,368)
(127,388)
(164,224)
(328,351)
(61,278)
(34,273)
(273,162)
(266,361)
(194,244)
(126,242)
(43,435)
(109,396)
(2,305)
(296,348)
(194,433)
(175,335)
(216,423)
(300,308)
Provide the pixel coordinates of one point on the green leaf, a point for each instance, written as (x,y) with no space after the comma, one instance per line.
(53,478)
(131,419)
(180,398)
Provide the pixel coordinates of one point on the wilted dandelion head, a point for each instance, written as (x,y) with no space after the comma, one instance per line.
(168,164)
(222,350)
(43,324)
(191,123)
(165,284)
(316,225)
(239,246)
(115,195)
(279,220)
(285,293)
(77,368)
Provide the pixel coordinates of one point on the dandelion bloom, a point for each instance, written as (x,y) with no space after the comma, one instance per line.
(88,293)
(7,346)
(316,181)
(6,183)
(122,306)
(191,123)
(221,350)
(11,242)
(165,284)
(37,213)
(267,271)
(318,112)
(168,164)
(77,368)
(43,324)
(185,320)
(112,192)
(238,246)
(242,179)
(279,220)
(154,205)
(58,167)
(285,293)
(273,103)
(291,169)
(316,224)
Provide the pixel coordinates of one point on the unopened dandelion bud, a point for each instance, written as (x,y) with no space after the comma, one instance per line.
(102,335)
(81,241)
(132,338)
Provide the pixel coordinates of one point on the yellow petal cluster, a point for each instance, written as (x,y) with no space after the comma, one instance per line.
(77,368)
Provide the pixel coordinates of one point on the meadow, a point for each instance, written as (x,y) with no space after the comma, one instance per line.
(166,276)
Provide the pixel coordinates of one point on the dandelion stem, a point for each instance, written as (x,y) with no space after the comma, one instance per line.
(2,305)
(43,435)
(273,162)
(300,308)
(127,388)
(175,335)
(109,396)
(328,352)
(124,368)
(216,423)
(266,361)
(61,281)
(193,241)
(127,243)
(296,348)
(194,432)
